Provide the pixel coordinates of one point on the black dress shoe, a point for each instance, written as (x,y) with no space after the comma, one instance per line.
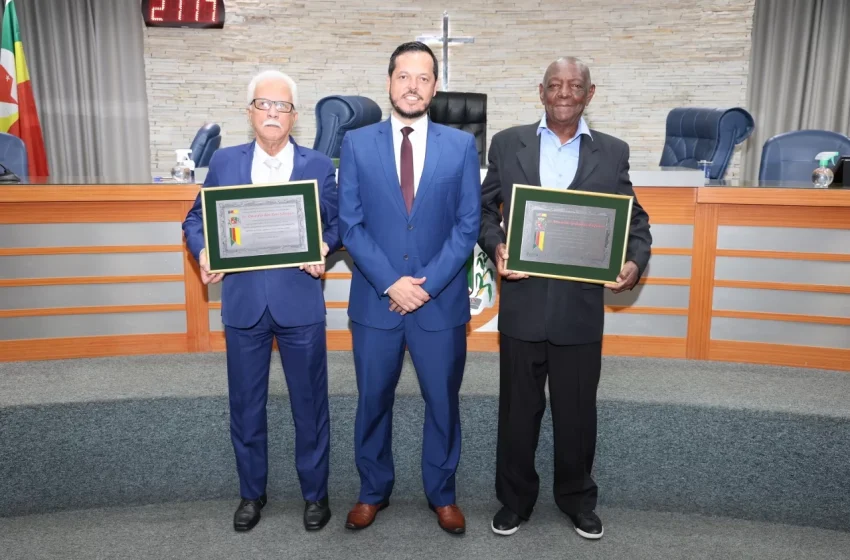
(316,514)
(248,513)
(505,522)
(588,525)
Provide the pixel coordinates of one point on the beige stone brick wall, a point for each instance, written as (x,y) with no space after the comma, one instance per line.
(646,57)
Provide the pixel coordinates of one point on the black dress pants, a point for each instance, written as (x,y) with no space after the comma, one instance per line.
(573,373)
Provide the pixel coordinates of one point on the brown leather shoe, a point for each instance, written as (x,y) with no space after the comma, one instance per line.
(450,519)
(362,515)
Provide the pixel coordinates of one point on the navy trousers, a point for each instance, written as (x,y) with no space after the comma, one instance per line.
(439,358)
(303,352)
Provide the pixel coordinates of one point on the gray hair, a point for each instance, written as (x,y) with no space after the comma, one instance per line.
(567,60)
(273,75)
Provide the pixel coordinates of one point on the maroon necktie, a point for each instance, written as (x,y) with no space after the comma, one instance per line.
(407,168)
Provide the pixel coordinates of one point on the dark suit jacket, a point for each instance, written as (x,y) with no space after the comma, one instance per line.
(540,309)
(293,297)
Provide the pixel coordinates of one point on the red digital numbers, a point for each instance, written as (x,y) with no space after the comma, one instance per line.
(183,11)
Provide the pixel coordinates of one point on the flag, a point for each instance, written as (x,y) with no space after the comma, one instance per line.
(18,114)
(538,239)
(235,235)
(540,231)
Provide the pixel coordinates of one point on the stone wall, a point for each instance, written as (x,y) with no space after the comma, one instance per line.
(646,57)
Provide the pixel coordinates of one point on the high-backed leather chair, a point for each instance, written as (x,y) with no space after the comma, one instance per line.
(13,155)
(790,156)
(697,134)
(466,111)
(336,115)
(206,142)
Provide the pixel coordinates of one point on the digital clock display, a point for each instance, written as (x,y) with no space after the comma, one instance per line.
(183,13)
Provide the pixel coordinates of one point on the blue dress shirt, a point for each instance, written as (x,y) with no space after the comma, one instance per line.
(559,162)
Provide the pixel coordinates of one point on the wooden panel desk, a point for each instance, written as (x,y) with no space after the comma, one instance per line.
(758,275)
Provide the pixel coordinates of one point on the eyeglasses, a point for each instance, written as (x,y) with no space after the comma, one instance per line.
(266,104)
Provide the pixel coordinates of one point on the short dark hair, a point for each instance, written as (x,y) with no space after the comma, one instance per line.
(412,46)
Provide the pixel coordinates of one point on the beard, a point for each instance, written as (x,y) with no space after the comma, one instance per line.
(408,114)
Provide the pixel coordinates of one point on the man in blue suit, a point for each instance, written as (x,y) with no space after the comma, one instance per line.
(410,209)
(286,304)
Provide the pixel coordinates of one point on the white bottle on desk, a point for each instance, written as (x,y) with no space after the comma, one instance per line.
(822,176)
(184,169)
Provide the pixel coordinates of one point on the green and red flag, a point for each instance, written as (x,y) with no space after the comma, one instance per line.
(18,114)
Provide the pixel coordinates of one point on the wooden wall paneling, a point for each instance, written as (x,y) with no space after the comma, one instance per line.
(780,355)
(91,347)
(702,281)
(197,310)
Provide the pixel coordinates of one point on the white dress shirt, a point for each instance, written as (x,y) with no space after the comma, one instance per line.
(418,140)
(261,172)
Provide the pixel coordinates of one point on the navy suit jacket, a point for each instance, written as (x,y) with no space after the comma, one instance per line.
(294,298)
(386,243)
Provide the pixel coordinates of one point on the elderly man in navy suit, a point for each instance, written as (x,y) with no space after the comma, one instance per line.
(284,304)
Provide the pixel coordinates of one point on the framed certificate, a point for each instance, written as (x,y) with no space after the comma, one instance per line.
(568,234)
(254,227)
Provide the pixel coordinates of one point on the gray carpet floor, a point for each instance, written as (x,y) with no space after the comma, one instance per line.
(765,449)
(687,382)
(202,530)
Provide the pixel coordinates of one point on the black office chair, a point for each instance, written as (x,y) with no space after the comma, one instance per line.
(466,111)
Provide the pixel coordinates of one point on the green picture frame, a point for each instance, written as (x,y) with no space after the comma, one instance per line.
(618,231)
(304,193)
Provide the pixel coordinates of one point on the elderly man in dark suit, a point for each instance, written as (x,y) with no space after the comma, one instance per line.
(553,328)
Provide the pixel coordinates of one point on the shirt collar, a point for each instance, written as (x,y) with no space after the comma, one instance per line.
(419,126)
(582,129)
(287,152)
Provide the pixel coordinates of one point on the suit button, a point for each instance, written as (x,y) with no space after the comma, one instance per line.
(409,226)
(405,257)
